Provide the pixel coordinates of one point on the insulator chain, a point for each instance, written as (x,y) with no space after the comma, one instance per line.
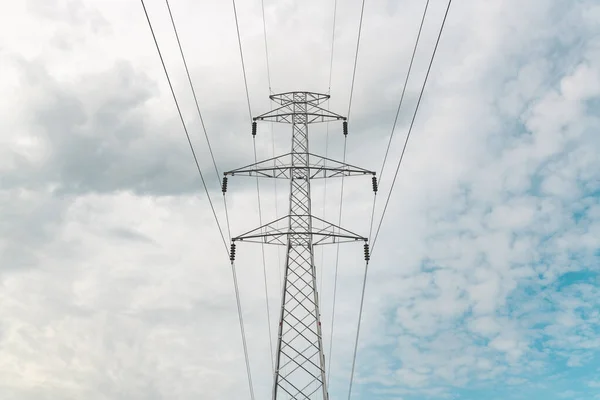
(374,182)
(367,254)
(254,128)
(224,185)
(232,253)
(345,127)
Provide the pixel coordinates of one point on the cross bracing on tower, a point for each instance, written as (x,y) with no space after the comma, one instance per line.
(300,361)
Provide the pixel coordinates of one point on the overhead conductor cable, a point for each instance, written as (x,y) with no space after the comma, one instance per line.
(390,193)
(345,132)
(231,255)
(257,181)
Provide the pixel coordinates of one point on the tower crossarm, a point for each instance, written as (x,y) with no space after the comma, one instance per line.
(277,231)
(313,114)
(282,167)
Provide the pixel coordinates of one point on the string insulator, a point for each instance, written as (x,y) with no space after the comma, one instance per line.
(345,127)
(374,182)
(367,255)
(254,128)
(224,185)
(232,252)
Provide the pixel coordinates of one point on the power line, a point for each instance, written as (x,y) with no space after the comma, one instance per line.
(337,263)
(185,128)
(362,298)
(362,12)
(411,125)
(276,201)
(239,307)
(412,58)
(257,181)
(332,45)
(262,247)
(241,319)
(337,257)
(187,71)
(237,27)
(262,4)
(327,135)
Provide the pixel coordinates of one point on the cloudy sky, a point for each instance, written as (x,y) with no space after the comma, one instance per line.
(114,282)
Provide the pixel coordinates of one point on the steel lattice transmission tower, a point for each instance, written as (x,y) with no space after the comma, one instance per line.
(300,360)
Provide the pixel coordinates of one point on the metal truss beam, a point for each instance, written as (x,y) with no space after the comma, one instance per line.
(285,113)
(274,233)
(281,167)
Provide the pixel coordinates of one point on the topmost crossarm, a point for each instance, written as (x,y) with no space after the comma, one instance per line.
(311,98)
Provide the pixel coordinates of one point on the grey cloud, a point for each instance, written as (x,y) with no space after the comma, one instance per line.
(28,220)
(129,234)
(105,141)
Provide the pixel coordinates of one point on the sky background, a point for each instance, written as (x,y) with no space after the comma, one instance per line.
(484,284)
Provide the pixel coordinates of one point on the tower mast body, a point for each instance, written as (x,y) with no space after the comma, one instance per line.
(300,361)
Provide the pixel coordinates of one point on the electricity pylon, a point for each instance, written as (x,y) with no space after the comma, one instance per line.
(300,361)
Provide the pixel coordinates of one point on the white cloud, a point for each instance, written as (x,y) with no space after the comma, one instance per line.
(119,288)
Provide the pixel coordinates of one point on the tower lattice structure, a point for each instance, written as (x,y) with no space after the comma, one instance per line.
(300,361)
